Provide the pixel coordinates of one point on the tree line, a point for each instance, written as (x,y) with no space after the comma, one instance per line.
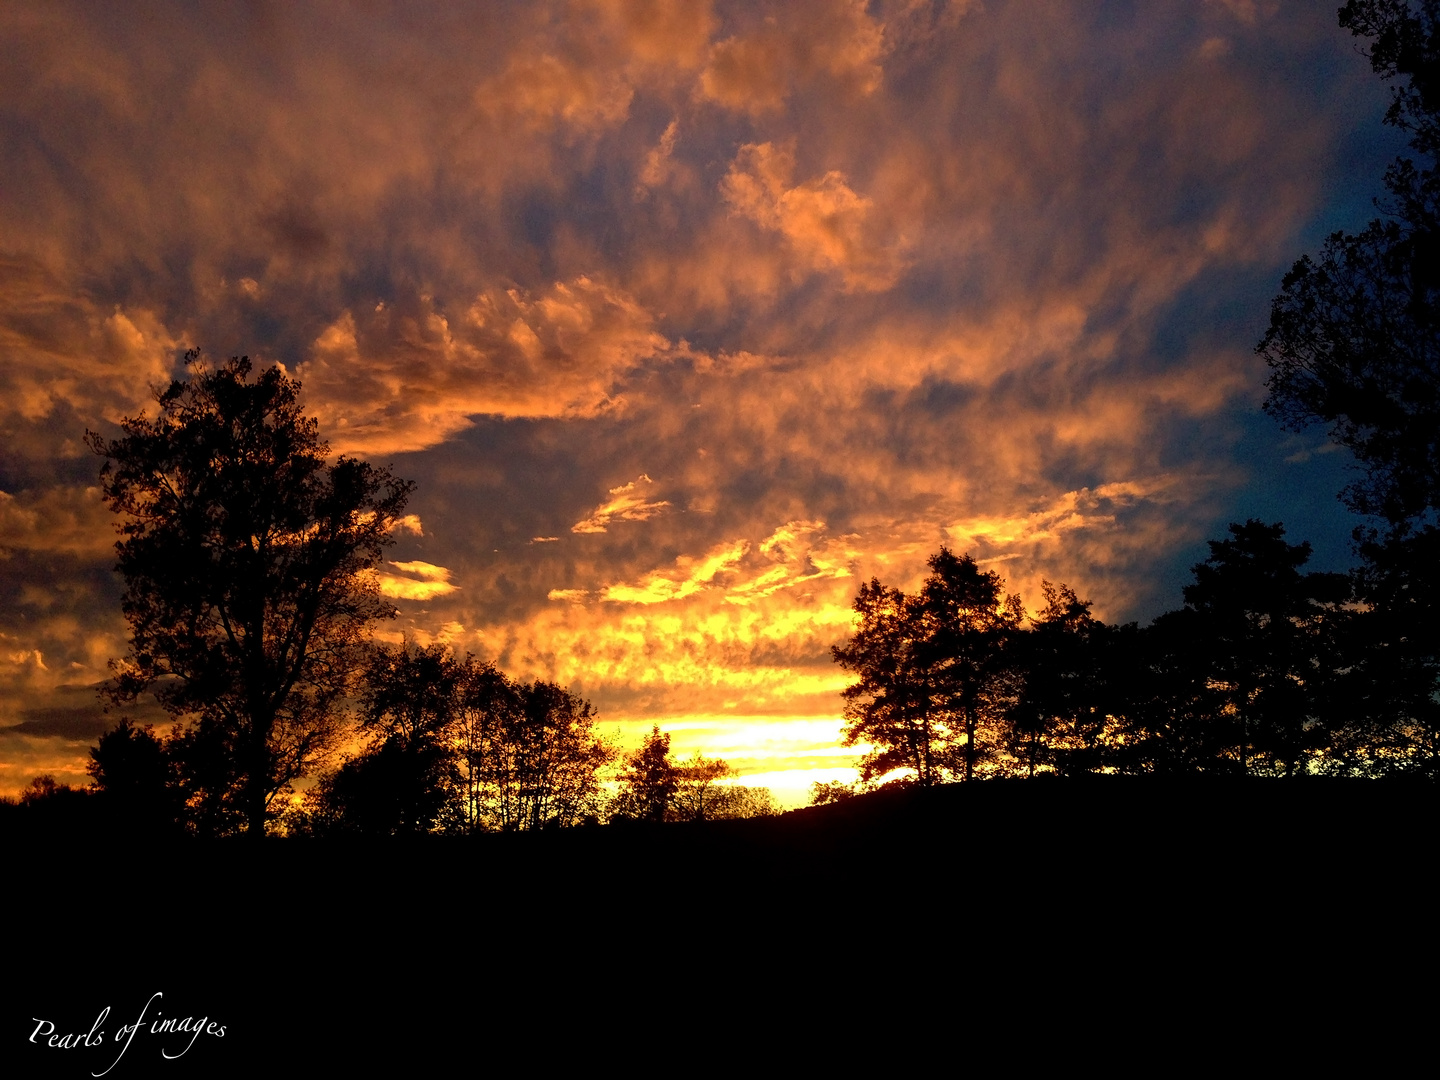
(1265,670)
(449,745)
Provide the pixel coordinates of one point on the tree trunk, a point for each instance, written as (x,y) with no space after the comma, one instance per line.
(256,780)
(969,743)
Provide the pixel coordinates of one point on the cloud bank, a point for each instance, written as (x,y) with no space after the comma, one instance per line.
(848,280)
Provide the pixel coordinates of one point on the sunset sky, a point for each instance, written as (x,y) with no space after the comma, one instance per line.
(685,317)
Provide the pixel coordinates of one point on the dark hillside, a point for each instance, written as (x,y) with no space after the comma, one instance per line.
(997,876)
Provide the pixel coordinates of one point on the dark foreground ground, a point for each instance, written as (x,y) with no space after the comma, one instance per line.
(1149,926)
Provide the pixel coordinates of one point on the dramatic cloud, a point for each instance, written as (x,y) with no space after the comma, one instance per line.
(416,581)
(60,347)
(848,280)
(626,503)
(406,377)
(825,224)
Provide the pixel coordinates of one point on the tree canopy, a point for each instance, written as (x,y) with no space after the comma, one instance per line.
(1352,341)
(649,781)
(1354,344)
(1265,670)
(457,746)
(655,788)
(248,561)
(934,686)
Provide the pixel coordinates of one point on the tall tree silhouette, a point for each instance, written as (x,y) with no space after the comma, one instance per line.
(485,697)
(1172,708)
(1352,341)
(1061,717)
(409,776)
(542,762)
(1354,344)
(889,706)
(247,560)
(1263,625)
(936,674)
(134,778)
(969,627)
(649,782)
(698,797)
(456,747)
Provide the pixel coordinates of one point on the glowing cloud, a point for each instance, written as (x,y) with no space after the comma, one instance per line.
(60,348)
(541,91)
(1071,511)
(407,375)
(422,581)
(689,577)
(826,224)
(627,503)
(69,520)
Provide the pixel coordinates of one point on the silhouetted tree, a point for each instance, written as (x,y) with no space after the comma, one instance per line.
(889,706)
(49,807)
(1262,624)
(1249,674)
(1354,344)
(393,788)
(1353,339)
(543,760)
(484,697)
(822,793)
(649,782)
(247,562)
(938,673)
(208,777)
(966,647)
(654,788)
(697,795)
(730,801)
(1171,709)
(408,777)
(1388,702)
(134,777)
(455,746)
(1063,711)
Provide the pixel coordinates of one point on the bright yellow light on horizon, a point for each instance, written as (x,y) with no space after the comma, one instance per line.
(785,754)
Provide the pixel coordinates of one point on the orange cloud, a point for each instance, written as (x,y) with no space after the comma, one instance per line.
(405,376)
(754,72)
(58,520)
(61,347)
(1248,11)
(658,32)
(687,578)
(539,92)
(627,503)
(826,224)
(416,581)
